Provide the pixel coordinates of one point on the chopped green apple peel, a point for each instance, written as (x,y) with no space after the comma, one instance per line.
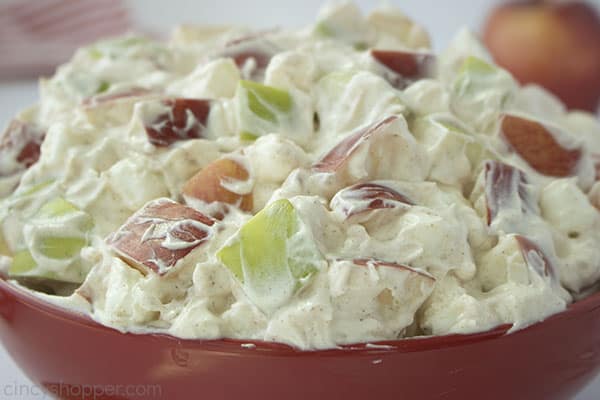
(28,198)
(22,263)
(476,65)
(479,91)
(472,74)
(54,237)
(262,109)
(272,256)
(56,208)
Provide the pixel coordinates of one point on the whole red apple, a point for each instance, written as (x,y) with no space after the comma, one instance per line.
(555,44)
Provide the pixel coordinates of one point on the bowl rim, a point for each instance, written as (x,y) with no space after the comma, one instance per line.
(229,345)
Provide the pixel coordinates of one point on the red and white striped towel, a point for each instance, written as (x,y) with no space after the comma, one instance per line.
(37,35)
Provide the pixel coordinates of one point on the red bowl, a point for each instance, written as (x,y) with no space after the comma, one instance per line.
(74,357)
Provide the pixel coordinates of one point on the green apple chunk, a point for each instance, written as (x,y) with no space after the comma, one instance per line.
(24,201)
(474,75)
(262,109)
(56,208)
(477,66)
(61,248)
(25,198)
(22,263)
(53,237)
(480,91)
(336,82)
(272,256)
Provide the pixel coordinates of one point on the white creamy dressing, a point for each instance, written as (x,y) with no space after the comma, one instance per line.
(433,265)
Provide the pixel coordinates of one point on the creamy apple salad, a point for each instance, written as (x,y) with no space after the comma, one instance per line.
(331,185)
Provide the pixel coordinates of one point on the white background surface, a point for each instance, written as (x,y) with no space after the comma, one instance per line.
(441,18)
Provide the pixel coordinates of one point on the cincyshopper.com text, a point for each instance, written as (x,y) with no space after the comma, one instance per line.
(80,391)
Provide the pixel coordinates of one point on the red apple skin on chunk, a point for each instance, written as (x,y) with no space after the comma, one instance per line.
(251,48)
(156,237)
(241,56)
(504,183)
(365,262)
(405,66)
(183,119)
(338,156)
(536,144)
(207,186)
(364,197)
(535,257)
(19,147)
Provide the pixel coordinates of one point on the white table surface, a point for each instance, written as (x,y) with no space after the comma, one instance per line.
(436,15)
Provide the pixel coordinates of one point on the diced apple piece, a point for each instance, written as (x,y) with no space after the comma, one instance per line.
(56,208)
(407,64)
(19,147)
(272,255)
(50,254)
(334,83)
(62,247)
(476,66)
(378,297)
(503,263)
(452,151)
(22,263)
(251,54)
(163,232)
(479,91)
(207,184)
(365,197)
(111,97)
(340,154)
(27,198)
(171,120)
(404,67)
(536,258)
(506,188)
(59,207)
(537,144)
(116,107)
(384,150)
(263,109)
(251,62)
(367,94)
(478,152)
(266,101)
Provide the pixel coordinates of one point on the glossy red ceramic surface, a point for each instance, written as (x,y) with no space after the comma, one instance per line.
(551,360)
